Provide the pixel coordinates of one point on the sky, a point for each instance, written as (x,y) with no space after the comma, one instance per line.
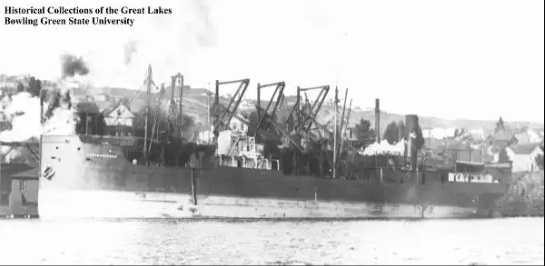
(449,59)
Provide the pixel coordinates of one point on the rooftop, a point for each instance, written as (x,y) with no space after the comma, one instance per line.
(33,173)
(525,148)
(503,135)
(87,107)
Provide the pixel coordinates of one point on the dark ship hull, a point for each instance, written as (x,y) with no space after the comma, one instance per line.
(84,180)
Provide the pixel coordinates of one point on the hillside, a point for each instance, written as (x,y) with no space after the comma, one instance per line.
(195,104)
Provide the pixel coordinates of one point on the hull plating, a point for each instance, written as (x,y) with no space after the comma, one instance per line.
(117,204)
(96,181)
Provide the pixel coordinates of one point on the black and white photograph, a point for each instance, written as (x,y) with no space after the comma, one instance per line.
(272,132)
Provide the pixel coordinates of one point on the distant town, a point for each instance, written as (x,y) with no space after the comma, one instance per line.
(119,111)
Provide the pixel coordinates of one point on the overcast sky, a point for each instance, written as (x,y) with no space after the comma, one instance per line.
(451,59)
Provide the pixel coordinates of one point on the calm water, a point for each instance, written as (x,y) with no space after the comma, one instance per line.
(500,241)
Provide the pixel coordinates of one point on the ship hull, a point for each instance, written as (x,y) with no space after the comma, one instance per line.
(97,181)
(134,205)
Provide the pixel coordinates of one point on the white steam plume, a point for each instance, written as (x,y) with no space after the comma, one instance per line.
(23,111)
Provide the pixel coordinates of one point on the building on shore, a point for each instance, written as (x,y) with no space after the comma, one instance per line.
(19,190)
(90,119)
(119,120)
(524,156)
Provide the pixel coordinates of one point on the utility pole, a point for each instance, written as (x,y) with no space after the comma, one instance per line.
(181,105)
(208,114)
(148,90)
(216,110)
(377,120)
(335,134)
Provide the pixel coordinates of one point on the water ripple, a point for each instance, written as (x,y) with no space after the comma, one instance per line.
(469,242)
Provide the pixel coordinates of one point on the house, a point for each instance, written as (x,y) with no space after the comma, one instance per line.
(461,151)
(18,190)
(119,120)
(350,134)
(477,135)
(235,144)
(236,125)
(4,122)
(496,144)
(10,86)
(90,119)
(502,139)
(524,156)
(438,133)
(23,200)
(78,95)
(529,136)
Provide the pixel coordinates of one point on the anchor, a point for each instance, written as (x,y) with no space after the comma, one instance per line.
(48,173)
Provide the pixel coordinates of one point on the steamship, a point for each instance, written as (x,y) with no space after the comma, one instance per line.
(123,177)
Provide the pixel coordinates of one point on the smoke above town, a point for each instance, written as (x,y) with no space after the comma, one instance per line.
(50,104)
(23,110)
(72,65)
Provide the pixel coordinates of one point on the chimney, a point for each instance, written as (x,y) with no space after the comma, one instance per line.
(377,120)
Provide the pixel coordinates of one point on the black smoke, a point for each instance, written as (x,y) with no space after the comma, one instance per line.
(72,65)
(55,98)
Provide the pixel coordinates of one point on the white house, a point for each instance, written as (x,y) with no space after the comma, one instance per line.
(529,136)
(119,116)
(120,119)
(524,156)
(238,126)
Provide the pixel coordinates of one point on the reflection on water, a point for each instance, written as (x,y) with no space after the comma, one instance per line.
(500,241)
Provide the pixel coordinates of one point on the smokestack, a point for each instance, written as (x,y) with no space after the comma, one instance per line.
(377,119)
(173,88)
(411,125)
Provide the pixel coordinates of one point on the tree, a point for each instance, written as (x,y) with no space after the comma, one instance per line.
(125,101)
(35,85)
(539,161)
(393,132)
(364,133)
(462,134)
(499,125)
(20,87)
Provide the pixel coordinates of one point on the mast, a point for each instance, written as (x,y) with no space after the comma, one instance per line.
(335,134)
(341,130)
(148,90)
(377,119)
(181,110)
(208,114)
(216,111)
(155,128)
(42,121)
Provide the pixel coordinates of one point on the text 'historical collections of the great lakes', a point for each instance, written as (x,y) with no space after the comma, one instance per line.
(55,15)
